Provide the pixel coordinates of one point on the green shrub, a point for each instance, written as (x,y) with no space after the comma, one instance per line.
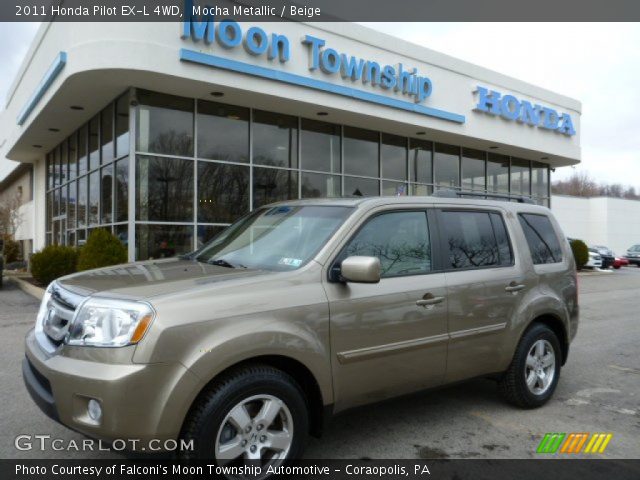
(11,251)
(101,250)
(52,262)
(580,253)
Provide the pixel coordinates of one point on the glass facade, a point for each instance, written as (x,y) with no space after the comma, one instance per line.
(196,166)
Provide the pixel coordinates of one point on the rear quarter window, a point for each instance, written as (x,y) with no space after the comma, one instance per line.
(541,237)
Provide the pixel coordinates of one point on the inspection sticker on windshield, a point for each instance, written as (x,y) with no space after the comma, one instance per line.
(292,262)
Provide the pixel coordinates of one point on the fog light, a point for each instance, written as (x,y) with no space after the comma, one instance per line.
(95,410)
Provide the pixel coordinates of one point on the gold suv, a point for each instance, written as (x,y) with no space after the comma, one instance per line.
(300,310)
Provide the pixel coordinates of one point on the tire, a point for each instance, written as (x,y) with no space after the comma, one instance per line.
(252,390)
(513,385)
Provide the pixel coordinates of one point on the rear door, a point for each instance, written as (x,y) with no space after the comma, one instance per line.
(485,285)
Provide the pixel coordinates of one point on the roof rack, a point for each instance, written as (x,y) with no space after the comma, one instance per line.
(449,193)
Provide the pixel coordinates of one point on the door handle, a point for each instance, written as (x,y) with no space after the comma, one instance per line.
(514,287)
(428,300)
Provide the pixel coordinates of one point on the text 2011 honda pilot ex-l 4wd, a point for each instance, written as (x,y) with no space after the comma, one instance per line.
(302,309)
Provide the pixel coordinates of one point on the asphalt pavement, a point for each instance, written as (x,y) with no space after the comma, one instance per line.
(599,391)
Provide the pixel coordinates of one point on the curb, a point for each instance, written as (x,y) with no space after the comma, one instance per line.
(26,287)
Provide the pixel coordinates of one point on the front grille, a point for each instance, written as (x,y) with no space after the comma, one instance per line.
(60,311)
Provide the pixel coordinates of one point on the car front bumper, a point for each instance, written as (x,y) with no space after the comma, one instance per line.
(140,402)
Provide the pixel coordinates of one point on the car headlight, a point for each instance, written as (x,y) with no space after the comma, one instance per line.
(110,323)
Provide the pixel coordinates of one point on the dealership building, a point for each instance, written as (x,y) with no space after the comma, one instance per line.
(167,132)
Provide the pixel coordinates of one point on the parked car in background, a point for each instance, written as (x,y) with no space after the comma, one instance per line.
(620,262)
(608,258)
(595,260)
(633,255)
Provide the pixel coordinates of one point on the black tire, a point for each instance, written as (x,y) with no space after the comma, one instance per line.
(513,385)
(210,410)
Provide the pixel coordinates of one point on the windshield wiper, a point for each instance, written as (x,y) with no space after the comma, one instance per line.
(221,262)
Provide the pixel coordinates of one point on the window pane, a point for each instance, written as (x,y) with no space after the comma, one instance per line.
(56,202)
(49,210)
(399,239)
(94,197)
(361,152)
(165,124)
(421,190)
(539,180)
(361,187)
(223,132)
(470,239)
(446,165)
(63,200)
(122,233)
(122,190)
(498,173)
(519,176)
(81,237)
(272,185)
(393,153)
(106,133)
(71,205)
(82,202)
(394,189)
(502,238)
(82,150)
(472,169)
(56,166)
(541,237)
(122,125)
(73,155)
(50,170)
(420,161)
(320,146)
(94,144)
(207,232)
(163,241)
(64,162)
(164,189)
(223,192)
(318,185)
(275,139)
(106,204)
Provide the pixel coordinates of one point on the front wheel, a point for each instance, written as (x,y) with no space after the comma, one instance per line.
(533,374)
(253,416)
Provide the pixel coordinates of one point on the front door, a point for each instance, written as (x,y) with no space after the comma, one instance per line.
(388,338)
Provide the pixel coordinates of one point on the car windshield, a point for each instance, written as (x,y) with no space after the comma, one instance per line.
(276,238)
(635,248)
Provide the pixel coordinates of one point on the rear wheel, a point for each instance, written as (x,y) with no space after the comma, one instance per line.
(253,416)
(533,374)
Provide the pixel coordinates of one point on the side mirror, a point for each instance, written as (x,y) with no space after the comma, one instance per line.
(360,269)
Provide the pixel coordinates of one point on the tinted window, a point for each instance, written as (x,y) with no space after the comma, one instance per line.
(447,165)
(275,139)
(502,239)
(360,152)
(223,132)
(542,239)
(320,146)
(399,239)
(470,239)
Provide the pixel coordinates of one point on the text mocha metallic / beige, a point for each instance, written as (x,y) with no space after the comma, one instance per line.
(302,309)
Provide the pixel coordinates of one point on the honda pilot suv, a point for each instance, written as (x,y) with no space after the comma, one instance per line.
(303,309)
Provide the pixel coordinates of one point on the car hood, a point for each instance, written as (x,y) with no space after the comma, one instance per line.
(151,278)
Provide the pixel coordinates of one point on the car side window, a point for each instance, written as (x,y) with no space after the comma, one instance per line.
(541,237)
(475,239)
(399,239)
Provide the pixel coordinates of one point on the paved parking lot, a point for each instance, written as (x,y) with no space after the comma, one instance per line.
(599,391)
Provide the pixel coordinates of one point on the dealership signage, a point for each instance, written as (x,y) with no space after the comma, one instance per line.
(228,34)
(513,109)
(411,89)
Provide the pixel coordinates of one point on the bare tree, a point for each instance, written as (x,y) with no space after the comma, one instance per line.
(581,184)
(10,215)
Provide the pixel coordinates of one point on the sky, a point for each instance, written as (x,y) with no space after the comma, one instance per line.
(596,63)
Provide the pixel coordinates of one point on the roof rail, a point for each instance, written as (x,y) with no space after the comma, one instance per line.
(450,193)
